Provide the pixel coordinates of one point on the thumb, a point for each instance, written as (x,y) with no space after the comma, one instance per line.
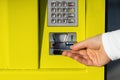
(80,45)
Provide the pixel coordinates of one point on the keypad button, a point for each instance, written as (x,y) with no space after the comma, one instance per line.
(71,3)
(64,4)
(59,9)
(53,21)
(71,15)
(59,21)
(53,10)
(71,20)
(65,20)
(53,15)
(64,15)
(53,4)
(59,4)
(65,9)
(59,15)
(71,9)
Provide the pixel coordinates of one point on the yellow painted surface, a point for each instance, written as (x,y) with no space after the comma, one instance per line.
(4,35)
(18,34)
(50,74)
(19,42)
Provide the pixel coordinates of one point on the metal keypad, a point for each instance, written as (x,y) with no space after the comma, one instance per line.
(62,13)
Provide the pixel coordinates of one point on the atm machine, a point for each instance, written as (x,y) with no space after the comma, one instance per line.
(34,33)
(67,22)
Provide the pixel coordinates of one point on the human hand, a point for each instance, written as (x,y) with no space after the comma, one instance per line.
(89,52)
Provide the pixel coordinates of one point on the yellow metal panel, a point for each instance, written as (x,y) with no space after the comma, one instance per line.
(50,74)
(23,31)
(95,17)
(11,44)
(59,61)
(19,34)
(4,35)
(95,24)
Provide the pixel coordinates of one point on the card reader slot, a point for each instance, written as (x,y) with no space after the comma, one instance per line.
(61,41)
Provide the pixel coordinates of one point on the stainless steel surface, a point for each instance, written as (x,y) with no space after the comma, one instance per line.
(62,13)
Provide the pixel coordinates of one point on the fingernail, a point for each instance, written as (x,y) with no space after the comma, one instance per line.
(64,53)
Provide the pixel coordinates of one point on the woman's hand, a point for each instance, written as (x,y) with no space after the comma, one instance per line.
(89,52)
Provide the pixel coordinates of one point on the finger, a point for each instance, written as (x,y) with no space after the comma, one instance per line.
(89,56)
(78,46)
(81,60)
(83,52)
(70,53)
(84,61)
(78,57)
(74,55)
